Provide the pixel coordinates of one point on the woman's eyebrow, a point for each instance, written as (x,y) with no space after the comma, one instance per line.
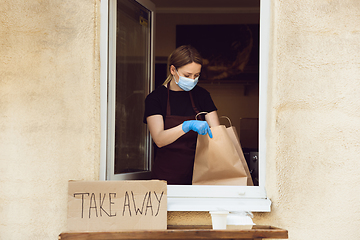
(191,73)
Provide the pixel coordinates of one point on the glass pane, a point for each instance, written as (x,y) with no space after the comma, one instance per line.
(132,81)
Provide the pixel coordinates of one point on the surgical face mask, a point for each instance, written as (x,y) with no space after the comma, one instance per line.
(185,83)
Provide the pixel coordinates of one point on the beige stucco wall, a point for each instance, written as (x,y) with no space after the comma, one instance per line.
(314,119)
(49,116)
(49,111)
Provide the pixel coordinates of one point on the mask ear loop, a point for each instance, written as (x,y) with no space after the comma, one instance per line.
(178,76)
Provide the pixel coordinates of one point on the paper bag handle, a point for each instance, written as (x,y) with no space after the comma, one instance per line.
(199,114)
(227,119)
(220,117)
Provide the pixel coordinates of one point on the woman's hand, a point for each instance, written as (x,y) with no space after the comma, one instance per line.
(201,127)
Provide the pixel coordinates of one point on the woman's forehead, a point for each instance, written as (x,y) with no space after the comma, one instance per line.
(191,67)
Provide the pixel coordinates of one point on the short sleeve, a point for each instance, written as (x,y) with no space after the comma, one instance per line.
(205,101)
(154,104)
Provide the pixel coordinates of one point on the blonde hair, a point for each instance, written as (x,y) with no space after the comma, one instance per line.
(182,56)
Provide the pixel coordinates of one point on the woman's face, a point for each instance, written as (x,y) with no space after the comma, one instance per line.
(191,70)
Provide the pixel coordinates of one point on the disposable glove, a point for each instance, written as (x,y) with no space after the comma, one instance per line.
(201,127)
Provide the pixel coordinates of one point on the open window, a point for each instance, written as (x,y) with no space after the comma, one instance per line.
(127,76)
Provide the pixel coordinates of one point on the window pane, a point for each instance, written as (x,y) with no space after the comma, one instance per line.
(132,76)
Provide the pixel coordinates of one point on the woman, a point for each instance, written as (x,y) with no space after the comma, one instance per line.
(170,112)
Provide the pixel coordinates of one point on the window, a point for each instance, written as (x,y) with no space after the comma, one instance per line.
(129,81)
(180,198)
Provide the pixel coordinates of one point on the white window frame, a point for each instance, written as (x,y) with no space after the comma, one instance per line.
(202,198)
(110,89)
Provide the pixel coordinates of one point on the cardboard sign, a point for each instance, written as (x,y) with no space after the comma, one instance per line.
(97,206)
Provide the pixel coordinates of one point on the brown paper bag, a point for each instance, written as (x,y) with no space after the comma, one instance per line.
(235,139)
(217,161)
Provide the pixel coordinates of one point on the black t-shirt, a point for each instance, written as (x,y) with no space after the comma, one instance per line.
(180,103)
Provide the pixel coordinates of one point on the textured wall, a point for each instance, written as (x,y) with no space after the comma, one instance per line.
(314,120)
(49,111)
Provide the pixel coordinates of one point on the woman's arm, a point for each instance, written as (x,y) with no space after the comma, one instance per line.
(160,136)
(163,137)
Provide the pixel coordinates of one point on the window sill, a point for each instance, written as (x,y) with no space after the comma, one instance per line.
(209,198)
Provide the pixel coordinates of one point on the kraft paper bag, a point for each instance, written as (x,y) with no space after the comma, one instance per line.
(217,161)
(235,139)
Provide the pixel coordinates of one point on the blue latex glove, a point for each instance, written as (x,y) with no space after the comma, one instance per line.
(201,127)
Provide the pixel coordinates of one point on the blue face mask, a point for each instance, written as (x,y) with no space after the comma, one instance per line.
(185,83)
